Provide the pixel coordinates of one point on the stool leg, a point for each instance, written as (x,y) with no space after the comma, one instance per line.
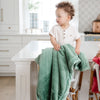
(91,82)
(73,95)
(99,97)
(67,98)
(76,96)
(96,96)
(90,95)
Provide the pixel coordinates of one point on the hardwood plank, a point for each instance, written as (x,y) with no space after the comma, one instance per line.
(7,88)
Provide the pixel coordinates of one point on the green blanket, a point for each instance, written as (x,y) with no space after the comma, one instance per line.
(56,70)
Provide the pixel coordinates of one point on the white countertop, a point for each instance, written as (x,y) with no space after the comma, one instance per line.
(29,34)
(34,48)
(31,51)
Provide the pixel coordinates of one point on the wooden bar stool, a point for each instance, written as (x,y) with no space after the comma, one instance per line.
(74,93)
(97,95)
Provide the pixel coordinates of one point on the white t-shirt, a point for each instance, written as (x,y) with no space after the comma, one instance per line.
(68,36)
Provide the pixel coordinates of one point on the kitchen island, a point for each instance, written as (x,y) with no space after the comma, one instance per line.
(26,68)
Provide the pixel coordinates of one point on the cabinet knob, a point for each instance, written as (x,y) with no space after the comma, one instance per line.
(9,27)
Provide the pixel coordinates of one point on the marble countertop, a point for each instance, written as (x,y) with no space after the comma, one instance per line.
(29,34)
(34,48)
(31,51)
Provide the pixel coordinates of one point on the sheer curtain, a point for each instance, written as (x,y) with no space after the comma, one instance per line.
(39,15)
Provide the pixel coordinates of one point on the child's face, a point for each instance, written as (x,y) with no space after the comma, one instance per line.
(62,17)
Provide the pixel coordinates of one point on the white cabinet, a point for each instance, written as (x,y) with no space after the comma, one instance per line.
(28,38)
(9,46)
(9,16)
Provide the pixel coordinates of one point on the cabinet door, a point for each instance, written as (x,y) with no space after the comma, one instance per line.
(8,16)
(7,11)
(9,46)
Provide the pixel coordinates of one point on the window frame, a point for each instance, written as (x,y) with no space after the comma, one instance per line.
(43,34)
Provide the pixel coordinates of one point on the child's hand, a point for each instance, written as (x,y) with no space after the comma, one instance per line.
(77,50)
(57,47)
(98,54)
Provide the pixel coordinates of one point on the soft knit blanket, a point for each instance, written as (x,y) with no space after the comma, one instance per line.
(56,70)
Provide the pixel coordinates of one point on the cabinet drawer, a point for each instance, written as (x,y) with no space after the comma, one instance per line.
(8,28)
(10,39)
(9,50)
(7,66)
(92,38)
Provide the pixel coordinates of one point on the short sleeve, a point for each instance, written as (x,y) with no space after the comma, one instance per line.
(53,31)
(77,34)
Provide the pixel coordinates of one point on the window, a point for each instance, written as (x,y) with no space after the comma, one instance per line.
(45,26)
(33,20)
(40,15)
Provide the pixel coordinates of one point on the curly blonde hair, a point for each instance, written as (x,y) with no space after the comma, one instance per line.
(68,7)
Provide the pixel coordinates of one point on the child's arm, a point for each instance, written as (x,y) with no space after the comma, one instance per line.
(77,49)
(54,43)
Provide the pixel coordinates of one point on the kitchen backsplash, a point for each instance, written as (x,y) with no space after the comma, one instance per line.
(88,12)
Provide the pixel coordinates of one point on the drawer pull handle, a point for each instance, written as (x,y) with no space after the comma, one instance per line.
(1,14)
(95,39)
(98,39)
(43,39)
(3,39)
(4,50)
(4,65)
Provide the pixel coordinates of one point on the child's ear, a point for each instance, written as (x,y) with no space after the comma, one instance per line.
(69,17)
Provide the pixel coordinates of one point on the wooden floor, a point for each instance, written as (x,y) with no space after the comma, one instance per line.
(7,88)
